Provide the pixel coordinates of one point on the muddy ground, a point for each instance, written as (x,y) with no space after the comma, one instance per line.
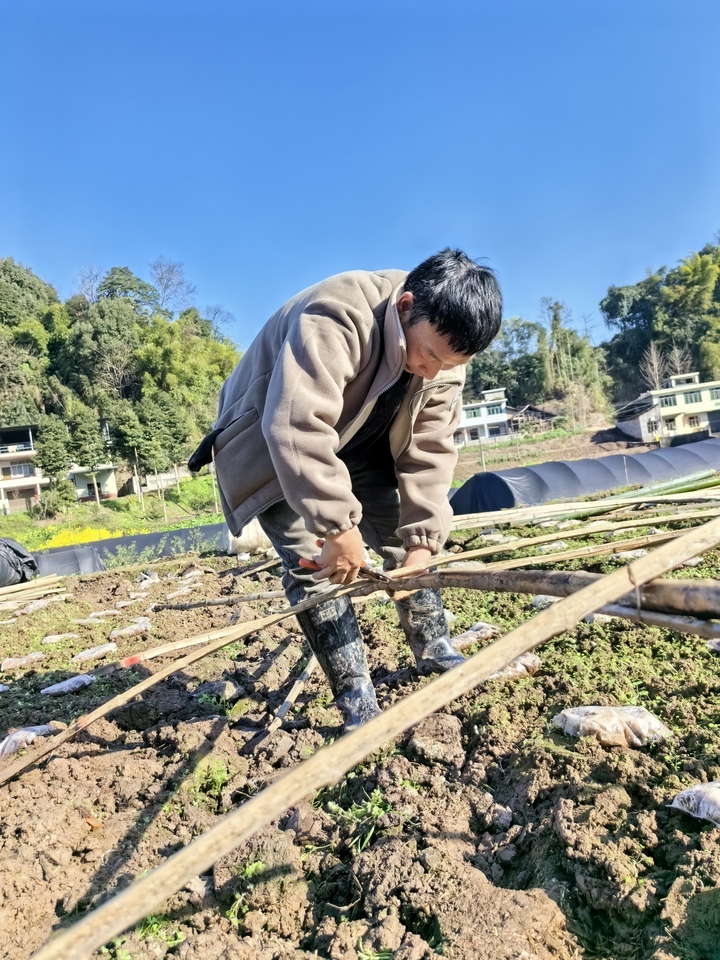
(483,833)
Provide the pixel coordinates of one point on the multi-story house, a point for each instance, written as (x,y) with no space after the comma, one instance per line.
(22,482)
(483,419)
(682,405)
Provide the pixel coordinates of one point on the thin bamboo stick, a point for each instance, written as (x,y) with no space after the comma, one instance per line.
(590,530)
(330,763)
(223,601)
(294,693)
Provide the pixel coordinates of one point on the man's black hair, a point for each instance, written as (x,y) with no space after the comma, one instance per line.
(459,297)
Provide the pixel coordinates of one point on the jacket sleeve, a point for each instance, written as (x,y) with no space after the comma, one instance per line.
(321,354)
(425,470)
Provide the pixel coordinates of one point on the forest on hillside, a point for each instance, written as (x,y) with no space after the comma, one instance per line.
(668,322)
(125,363)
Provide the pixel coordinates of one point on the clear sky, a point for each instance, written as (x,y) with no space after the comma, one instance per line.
(571,143)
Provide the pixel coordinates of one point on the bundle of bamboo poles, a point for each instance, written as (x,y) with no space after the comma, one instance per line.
(18,594)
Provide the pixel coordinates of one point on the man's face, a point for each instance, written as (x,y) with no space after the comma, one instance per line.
(428,352)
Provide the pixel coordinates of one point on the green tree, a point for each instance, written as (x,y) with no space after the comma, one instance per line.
(53,447)
(21,292)
(88,447)
(121,282)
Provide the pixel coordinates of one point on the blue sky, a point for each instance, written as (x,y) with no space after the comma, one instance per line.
(571,144)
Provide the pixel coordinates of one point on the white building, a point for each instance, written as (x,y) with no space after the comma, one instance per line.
(483,419)
(683,405)
(21,482)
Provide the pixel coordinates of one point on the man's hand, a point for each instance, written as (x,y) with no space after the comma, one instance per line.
(341,557)
(415,561)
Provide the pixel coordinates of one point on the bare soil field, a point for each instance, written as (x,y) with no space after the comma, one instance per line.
(484,832)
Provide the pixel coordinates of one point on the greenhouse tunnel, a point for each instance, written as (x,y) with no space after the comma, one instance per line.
(573,479)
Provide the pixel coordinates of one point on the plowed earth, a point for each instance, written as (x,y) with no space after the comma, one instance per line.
(482,833)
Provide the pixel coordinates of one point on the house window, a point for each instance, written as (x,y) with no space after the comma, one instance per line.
(457,439)
(494,410)
(668,401)
(473,433)
(693,422)
(715,393)
(494,431)
(670,424)
(693,396)
(652,425)
(22,470)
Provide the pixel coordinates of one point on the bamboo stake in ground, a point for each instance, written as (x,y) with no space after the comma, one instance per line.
(222,601)
(329,764)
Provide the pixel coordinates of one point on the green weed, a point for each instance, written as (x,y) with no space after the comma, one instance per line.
(158,927)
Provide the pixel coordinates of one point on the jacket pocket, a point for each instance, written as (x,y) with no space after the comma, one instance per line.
(235,428)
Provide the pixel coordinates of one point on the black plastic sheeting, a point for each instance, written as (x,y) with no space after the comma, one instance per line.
(16,564)
(571,479)
(140,548)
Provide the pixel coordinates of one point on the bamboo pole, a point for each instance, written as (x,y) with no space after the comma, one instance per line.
(37,584)
(330,763)
(701,598)
(222,601)
(590,530)
(526,515)
(698,628)
(594,550)
(294,693)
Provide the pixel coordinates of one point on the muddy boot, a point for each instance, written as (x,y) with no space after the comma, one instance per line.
(332,631)
(423,620)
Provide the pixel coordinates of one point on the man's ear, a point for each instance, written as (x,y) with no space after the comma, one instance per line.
(404,305)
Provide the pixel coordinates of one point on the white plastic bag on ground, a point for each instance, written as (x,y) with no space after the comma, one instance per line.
(475,634)
(543,600)
(714,645)
(182,592)
(94,653)
(3,687)
(526,665)
(702,801)
(627,556)
(21,738)
(57,637)
(40,604)
(14,663)
(552,547)
(70,685)
(140,626)
(613,726)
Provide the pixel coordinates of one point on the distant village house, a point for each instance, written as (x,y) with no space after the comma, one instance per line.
(22,482)
(682,405)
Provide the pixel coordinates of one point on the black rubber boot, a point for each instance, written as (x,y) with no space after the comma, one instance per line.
(423,620)
(332,631)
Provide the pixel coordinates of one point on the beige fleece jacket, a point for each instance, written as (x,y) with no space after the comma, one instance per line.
(306,385)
